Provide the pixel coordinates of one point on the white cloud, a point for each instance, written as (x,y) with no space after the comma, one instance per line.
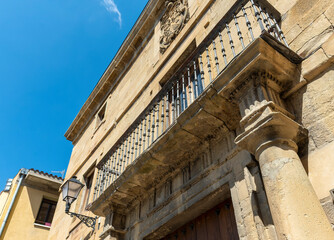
(112,8)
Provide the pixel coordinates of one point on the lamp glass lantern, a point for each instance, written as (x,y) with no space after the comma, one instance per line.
(70,191)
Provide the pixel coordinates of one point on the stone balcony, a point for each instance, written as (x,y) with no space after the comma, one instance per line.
(198,102)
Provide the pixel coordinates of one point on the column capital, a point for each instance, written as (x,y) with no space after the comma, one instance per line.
(271,128)
(264,114)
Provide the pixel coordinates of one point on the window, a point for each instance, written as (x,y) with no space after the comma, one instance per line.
(89,183)
(46,212)
(100,116)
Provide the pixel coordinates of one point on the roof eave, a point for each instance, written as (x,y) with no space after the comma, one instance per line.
(142,26)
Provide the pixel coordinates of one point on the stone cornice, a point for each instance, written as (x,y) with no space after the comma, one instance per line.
(121,62)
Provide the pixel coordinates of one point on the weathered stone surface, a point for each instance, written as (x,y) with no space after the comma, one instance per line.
(315,64)
(283,5)
(288,181)
(316,28)
(315,43)
(293,33)
(304,13)
(314,108)
(319,165)
(330,13)
(328,46)
(327,204)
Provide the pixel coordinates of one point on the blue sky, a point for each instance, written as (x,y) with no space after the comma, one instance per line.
(52,54)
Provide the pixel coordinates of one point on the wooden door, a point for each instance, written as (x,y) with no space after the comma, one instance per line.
(216,224)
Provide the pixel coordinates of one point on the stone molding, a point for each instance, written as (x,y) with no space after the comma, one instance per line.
(270,129)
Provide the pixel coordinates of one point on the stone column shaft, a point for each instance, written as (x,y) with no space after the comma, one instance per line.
(294,205)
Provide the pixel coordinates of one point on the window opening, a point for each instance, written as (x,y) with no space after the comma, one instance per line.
(46,212)
(89,183)
(101,115)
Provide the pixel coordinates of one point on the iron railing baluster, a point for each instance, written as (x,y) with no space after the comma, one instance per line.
(183,93)
(196,90)
(137,142)
(167,110)
(149,129)
(157,121)
(216,56)
(248,23)
(140,137)
(208,64)
(223,48)
(173,105)
(257,15)
(133,144)
(113,167)
(162,114)
(273,27)
(189,87)
(144,134)
(129,151)
(239,32)
(153,124)
(178,98)
(202,70)
(280,32)
(230,38)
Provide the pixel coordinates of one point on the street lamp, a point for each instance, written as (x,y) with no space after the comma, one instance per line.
(70,190)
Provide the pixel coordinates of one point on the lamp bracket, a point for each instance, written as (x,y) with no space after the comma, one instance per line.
(88,221)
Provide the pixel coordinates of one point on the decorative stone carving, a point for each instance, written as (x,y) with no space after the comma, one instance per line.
(259,91)
(173,21)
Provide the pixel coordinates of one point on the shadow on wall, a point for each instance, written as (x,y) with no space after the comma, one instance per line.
(35,200)
(312,105)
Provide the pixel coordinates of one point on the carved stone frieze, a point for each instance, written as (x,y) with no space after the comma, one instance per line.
(173,21)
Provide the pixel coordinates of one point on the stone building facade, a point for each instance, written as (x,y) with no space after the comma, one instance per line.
(213,121)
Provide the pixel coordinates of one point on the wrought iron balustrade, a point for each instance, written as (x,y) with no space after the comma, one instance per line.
(244,22)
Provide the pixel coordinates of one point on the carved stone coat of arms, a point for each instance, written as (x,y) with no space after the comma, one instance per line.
(172,22)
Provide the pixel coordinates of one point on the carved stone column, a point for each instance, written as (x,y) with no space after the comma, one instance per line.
(271,134)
